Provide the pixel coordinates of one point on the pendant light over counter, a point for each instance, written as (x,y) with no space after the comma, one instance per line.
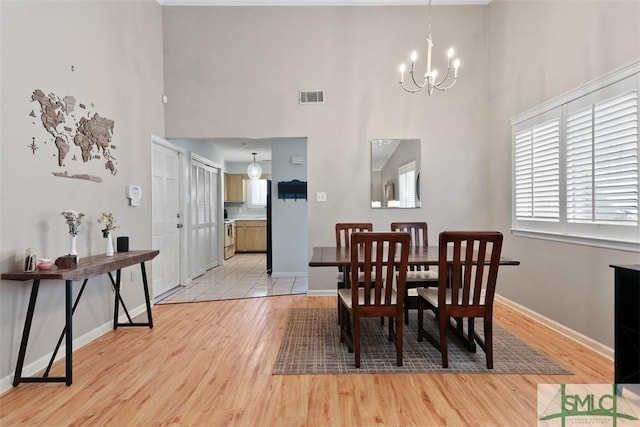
(254,170)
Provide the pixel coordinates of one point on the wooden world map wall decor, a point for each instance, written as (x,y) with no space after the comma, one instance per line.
(78,133)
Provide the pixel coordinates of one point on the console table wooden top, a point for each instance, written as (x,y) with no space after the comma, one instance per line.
(87,266)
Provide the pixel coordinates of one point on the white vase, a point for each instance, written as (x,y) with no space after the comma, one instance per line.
(73,250)
(109,247)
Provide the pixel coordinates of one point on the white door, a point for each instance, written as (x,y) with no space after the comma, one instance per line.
(204,226)
(166,221)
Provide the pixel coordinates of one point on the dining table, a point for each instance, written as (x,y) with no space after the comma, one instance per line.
(332,256)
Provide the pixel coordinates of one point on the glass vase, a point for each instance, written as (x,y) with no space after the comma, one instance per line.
(73,250)
(109,247)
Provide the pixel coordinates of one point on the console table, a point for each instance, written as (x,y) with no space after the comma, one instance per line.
(627,324)
(87,267)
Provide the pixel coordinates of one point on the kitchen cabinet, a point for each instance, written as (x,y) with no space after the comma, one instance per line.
(234,187)
(251,236)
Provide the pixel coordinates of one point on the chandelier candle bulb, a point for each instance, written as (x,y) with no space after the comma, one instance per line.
(402,68)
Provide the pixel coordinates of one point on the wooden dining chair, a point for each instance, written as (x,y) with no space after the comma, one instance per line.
(343,240)
(381,294)
(417,276)
(466,288)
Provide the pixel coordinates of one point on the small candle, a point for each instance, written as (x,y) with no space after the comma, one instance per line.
(402,68)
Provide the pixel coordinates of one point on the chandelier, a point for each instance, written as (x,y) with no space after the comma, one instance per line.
(431,81)
(254,170)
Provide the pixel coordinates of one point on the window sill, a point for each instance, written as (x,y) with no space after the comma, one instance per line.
(579,240)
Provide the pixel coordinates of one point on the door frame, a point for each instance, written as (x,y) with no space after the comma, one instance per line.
(183,181)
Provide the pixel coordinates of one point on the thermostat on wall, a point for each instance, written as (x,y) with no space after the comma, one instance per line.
(134,193)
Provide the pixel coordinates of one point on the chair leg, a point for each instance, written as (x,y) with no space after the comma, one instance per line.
(488,341)
(356,339)
(399,327)
(340,319)
(420,319)
(471,321)
(443,321)
(406,306)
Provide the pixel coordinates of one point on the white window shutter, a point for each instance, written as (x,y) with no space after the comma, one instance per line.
(602,162)
(537,172)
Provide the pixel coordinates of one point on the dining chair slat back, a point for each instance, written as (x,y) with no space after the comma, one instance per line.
(344,230)
(343,240)
(419,276)
(382,257)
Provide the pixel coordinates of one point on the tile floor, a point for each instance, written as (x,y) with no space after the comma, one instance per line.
(241,276)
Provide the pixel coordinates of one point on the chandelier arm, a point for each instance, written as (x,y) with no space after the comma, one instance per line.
(413,78)
(410,90)
(443,88)
(444,78)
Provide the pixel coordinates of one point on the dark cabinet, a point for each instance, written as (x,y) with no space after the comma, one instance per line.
(627,324)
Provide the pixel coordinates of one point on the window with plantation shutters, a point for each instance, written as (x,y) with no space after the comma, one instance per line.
(602,162)
(537,179)
(575,165)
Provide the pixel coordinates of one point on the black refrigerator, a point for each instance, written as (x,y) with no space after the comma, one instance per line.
(269,227)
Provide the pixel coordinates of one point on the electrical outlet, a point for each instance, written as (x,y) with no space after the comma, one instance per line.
(321,196)
(134,276)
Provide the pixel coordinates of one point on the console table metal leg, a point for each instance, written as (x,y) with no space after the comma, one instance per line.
(116,302)
(69,338)
(25,332)
(146,294)
(64,330)
(119,301)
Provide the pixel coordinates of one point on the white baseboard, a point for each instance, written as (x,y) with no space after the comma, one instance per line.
(36,366)
(322,293)
(289,274)
(584,340)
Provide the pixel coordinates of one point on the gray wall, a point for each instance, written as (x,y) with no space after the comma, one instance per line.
(236,72)
(116,51)
(539,50)
(289,217)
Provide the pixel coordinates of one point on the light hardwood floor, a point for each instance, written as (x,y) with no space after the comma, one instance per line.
(209,364)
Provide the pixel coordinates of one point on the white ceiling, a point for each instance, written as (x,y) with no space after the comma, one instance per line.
(319,2)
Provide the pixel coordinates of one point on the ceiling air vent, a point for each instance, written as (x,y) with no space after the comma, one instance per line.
(312,97)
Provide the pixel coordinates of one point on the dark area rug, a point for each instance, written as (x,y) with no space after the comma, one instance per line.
(312,346)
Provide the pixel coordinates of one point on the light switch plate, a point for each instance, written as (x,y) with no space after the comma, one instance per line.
(321,196)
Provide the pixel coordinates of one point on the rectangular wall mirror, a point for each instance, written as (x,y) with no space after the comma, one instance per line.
(395,173)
